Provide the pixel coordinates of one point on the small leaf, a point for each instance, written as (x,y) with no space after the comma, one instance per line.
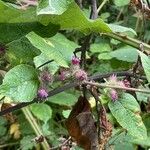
(42,111)
(100,47)
(52,49)
(121,2)
(26,142)
(20,83)
(63,98)
(127,116)
(126,53)
(118,28)
(146,64)
(41,59)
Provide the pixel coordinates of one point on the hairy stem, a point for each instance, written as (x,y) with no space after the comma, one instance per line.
(35,126)
(129,41)
(103,85)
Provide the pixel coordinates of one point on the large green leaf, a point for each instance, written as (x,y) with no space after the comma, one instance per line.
(14,31)
(58,47)
(146,64)
(20,83)
(42,111)
(126,112)
(72,18)
(21,51)
(10,14)
(53,7)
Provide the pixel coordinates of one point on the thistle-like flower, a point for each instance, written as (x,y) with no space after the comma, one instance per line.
(42,93)
(46,76)
(75,60)
(64,74)
(113,95)
(80,75)
(126,83)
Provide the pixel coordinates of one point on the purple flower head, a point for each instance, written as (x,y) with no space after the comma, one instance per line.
(75,60)
(113,95)
(46,76)
(112,78)
(121,83)
(64,74)
(42,93)
(126,83)
(80,75)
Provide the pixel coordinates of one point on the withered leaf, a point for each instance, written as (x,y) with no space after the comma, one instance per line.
(81,125)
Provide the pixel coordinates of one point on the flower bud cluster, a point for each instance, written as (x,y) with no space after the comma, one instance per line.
(113,81)
(74,71)
(46,78)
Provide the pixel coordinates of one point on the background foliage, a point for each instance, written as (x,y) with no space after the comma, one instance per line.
(34,33)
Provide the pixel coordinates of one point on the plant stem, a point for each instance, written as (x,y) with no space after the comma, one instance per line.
(128,40)
(35,126)
(116,87)
(101,5)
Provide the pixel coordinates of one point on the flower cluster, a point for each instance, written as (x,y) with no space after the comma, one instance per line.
(113,81)
(45,78)
(42,93)
(74,71)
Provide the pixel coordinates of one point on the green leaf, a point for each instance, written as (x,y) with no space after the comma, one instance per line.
(126,53)
(41,59)
(121,2)
(66,113)
(146,64)
(21,51)
(10,14)
(42,111)
(125,111)
(14,31)
(64,99)
(20,83)
(100,47)
(49,47)
(54,7)
(26,143)
(72,18)
(118,28)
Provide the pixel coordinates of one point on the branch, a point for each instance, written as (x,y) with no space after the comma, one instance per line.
(51,93)
(35,126)
(66,87)
(103,85)
(99,76)
(129,41)
(59,146)
(94,13)
(45,63)
(101,6)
